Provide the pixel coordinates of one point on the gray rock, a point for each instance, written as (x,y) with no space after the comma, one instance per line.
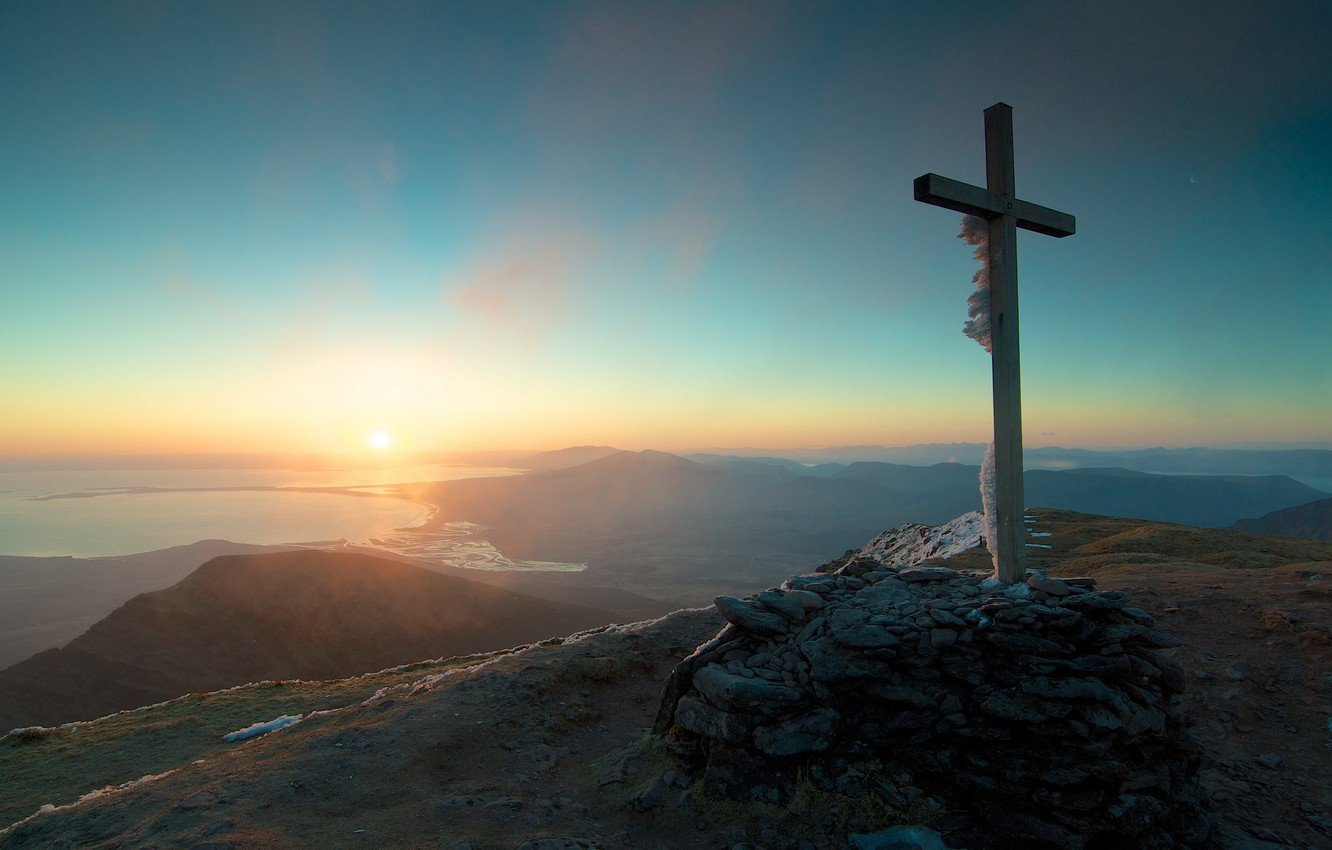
(828,662)
(1100,717)
(698,717)
(927,574)
(749,617)
(810,629)
(791,609)
(1027,644)
(649,796)
(942,638)
(1024,708)
(845,617)
(885,593)
(1173,677)
(1045,584)
(1271,761)
(810,600)
(1080,687)
(1138,615)
(945,617)
(866,637)
(1085,602)
(810,732)
(733,693)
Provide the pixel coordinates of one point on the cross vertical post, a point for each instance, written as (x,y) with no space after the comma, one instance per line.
(1004,213)
(1005,364)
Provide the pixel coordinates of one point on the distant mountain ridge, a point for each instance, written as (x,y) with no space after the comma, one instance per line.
(297,614)
(685,529)
(1311,466)
(1312,521)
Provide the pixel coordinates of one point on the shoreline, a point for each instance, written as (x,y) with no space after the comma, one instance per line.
(423,514)
(428,538)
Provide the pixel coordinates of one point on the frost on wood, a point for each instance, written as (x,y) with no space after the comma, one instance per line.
(988,510)
(976,232)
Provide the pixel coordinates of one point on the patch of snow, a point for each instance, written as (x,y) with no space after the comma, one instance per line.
(254,730)
(915,543)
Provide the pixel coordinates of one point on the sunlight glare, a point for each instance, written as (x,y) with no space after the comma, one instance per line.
(380,441)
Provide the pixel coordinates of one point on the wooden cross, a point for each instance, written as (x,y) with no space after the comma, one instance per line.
(1004,213)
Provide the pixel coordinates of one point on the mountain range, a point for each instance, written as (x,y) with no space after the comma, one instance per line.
(683,530)
(1309,466)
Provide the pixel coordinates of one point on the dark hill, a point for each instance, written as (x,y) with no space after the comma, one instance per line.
(1207,500)
(46,602)
(1312,520)
(299,614)
(564,458)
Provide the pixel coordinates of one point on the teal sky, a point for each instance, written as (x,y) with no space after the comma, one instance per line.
(232,227)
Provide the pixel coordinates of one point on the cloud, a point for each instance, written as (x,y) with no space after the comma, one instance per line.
(679,239)
(523,290)
(172,279)
(524,285)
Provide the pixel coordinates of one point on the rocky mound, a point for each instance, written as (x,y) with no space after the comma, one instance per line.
(1043,714)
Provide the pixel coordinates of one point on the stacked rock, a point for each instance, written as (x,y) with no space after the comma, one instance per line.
(1045,709)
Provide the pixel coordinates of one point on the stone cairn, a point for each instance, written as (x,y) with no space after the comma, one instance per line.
(1041,714)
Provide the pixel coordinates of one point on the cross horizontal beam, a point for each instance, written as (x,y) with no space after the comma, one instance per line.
(973,200)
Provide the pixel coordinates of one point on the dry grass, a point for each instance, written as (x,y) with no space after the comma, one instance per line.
(59,764)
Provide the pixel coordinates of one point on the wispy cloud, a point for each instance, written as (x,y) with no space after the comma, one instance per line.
(524,284)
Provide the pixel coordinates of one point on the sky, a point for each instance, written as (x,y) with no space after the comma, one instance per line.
(288,227)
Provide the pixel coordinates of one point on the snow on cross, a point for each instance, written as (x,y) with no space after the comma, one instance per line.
(1003,212)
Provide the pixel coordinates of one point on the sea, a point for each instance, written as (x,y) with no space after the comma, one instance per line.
(107,512)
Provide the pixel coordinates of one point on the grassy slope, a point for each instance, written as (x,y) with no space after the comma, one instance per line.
(57,765)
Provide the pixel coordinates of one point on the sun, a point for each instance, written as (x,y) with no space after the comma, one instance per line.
(380,441)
